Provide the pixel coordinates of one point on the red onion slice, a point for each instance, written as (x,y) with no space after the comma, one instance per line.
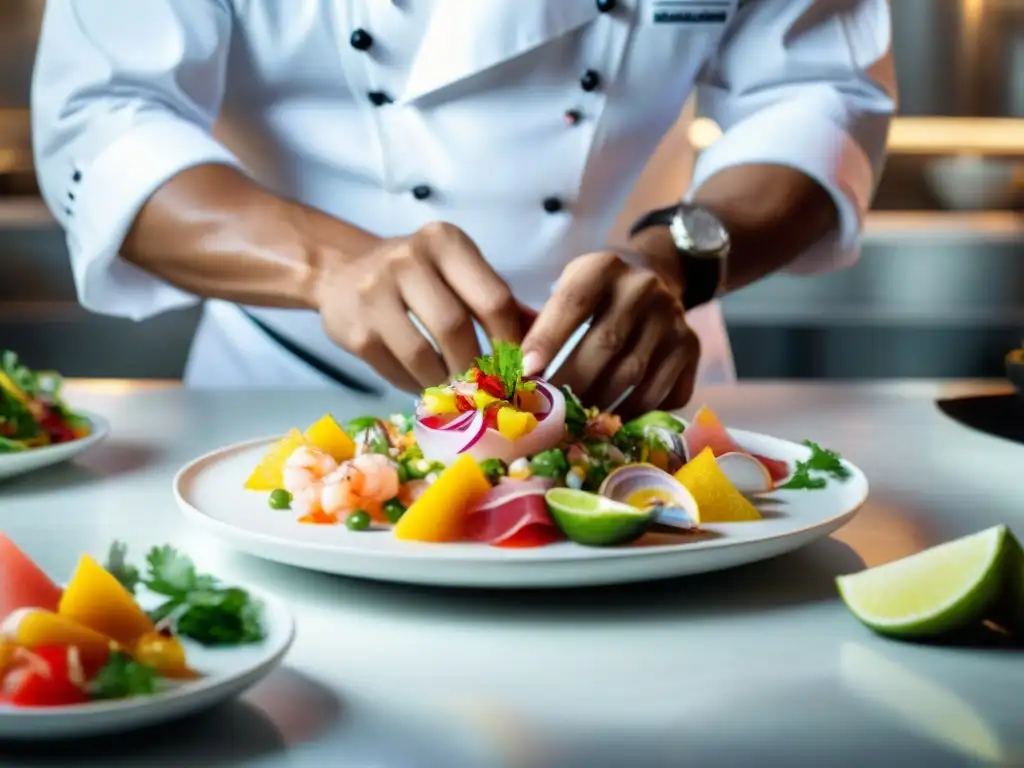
(473,436)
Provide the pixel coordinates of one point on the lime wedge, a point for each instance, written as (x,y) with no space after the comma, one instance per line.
(596,521)
(942,589)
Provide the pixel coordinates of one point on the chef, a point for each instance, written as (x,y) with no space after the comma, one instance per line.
(362,190)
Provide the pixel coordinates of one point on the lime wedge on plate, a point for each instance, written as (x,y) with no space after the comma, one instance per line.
(942,589)
(596,521)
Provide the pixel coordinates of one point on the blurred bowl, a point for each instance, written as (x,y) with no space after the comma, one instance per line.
(973,183)
(1015,369)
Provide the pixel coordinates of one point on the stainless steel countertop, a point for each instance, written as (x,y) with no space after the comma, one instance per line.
(757,666)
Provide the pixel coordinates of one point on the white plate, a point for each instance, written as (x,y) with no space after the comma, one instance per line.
(209,491)
(227,673)
(12,464)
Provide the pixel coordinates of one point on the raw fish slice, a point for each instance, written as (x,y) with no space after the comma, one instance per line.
(23,583)
(513,514)
(707,431)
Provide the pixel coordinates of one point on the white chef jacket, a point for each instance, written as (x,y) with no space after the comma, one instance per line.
(524,122)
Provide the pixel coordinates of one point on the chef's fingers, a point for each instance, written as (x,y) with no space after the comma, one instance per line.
(369,348)
(441,312)
(580,292)
(389,317)
(634,366)
(475,282)
(630,305)
(671,385)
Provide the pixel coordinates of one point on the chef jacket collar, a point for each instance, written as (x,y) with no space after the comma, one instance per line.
(465,37)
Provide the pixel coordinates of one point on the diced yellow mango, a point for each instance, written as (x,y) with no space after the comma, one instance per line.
(95,599)
(439,402)
(330,438)
(482,399)
(513,424)
(38,628)
(440,512)
(717,499)
(268,473)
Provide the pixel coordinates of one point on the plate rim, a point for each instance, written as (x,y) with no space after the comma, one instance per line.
(99,432)
(113,707)
(469,555)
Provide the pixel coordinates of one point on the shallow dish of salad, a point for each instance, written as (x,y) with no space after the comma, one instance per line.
(496,479)
(122,645)
(37,427)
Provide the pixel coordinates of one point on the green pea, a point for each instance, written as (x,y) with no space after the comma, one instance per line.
(493,469)
(550,463)
(394,509)
(280,499)
(358,521)
(403,474)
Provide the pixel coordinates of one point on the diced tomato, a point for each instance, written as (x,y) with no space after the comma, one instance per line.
(49,676)
(531,536)
(319,517)
(55,427)
(490,384)
(464,403)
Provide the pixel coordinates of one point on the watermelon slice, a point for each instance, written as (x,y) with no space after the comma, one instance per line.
(23,583)
(707,431)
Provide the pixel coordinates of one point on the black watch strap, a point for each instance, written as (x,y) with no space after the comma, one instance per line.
(702,274)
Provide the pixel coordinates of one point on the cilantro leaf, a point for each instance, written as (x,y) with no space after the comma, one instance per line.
(207,612)
(575,413)
(824,460)
(222,617)
(504,363)
(122,677)
(173,574)
(118,567)
(821,461)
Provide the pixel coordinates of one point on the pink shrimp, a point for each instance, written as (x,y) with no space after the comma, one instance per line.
(365,482)
(303,477)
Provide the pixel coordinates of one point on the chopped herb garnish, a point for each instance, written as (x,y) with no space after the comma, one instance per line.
(121,569)
(575,413)
(203,609)
(827,464)
(360,424)
(122,677)
(505,363)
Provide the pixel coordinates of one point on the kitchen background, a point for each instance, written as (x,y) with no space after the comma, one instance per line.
(938,292)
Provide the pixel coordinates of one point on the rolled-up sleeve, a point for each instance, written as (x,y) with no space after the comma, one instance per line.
(124,97)
(807,84)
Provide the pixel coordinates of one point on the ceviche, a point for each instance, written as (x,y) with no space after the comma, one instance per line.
(502,459)
(94,639)
(32,412)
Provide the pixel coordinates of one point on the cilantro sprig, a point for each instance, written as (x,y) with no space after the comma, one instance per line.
(200,606)
(505,363)
(814,472)
(122,677)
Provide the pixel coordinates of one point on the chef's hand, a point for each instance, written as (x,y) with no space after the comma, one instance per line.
(438,275)
(638,337)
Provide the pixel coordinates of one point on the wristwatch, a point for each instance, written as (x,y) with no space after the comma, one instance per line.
(703,245)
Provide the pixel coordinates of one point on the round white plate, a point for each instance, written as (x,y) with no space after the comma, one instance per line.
(209,491)
(12,464)
(227,672)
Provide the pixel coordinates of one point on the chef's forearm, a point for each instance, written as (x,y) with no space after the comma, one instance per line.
(215,233)
(773,214)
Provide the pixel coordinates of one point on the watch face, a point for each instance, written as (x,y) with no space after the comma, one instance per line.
(699,231)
